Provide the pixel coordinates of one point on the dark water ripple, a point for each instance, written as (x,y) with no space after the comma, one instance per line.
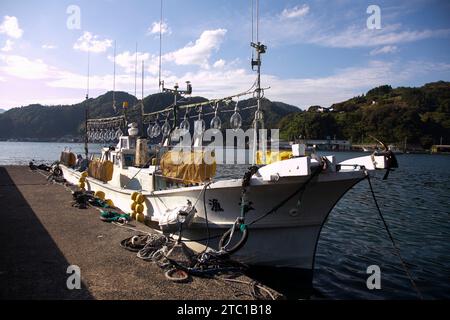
(415,203)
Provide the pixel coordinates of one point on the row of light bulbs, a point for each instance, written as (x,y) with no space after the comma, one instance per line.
(155,130)
(104,135)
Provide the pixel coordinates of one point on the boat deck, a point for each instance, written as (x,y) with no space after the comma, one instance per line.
(41,234)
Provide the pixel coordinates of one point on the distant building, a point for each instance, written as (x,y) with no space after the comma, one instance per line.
(320,109)
(440,148)
(329,144)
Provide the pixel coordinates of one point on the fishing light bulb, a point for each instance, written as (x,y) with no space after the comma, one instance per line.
(109,134)
(236,121)
(259,115)
(199,125)
(216,123)
(112,135)
(156,129)
(185,125)
(166,128)
(119,133)
(149,131)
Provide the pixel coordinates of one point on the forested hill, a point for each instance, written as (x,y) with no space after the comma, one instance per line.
(46,123)
(421,116)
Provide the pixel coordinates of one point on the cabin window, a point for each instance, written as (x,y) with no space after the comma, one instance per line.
(132,143)
(128,160)
(124,143)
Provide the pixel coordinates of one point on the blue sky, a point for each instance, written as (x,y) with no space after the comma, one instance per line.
(319,52)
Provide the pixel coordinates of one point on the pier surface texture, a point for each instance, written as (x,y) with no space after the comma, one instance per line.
(41,235)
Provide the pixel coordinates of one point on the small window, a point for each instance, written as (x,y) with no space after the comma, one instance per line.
(128,160)
(124,143)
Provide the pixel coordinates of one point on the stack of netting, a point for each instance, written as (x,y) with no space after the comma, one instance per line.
(189,167)
(68,158)
(101,170)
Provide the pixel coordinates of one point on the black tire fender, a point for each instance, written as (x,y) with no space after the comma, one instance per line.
(238,245)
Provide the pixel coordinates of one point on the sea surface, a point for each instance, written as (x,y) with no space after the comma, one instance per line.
(415,202)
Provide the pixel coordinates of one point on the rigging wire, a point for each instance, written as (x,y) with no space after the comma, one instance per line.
(396,249)
(135,70)
(142,88)
(88,73)
(114,78)
(160,46)
(86,108)
(253,26)
(257,21)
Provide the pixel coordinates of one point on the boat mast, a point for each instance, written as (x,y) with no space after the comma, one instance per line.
(114,79)
(259,49)
(160,82)
(142,100)
(86,109)
(135,70)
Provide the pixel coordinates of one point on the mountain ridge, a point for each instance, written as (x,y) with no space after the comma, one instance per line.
(37,122)
(418,116)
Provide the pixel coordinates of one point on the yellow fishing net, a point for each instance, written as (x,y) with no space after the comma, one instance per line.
(101,170)
(272,157)
(189,167)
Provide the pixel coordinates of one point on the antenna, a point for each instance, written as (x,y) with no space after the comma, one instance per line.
(135,71)
(253,20)
(114,78)
(142,89)
(142,99)
(160,83)
(257,20)
(88,73)
(86,108)
(259,49)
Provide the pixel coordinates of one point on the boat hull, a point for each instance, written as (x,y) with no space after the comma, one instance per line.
(285,238)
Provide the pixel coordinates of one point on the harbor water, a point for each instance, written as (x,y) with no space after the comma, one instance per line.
(415,202)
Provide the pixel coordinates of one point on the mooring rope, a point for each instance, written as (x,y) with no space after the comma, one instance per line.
(396,249)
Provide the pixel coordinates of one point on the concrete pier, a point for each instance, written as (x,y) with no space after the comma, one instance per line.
(41,235)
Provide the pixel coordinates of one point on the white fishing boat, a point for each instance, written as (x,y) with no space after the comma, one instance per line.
(271,216)
(290,202)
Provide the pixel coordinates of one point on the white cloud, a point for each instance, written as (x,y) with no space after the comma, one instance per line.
(127,60)
(384,50)
(155,28)
(295,12)
(92,43)
(10,27)
(101,82)
(11,103)
(198,53)
(8,46)
(24,68)
(357,36)
(339,32)
(49,46)
(219,64)
(225,78)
